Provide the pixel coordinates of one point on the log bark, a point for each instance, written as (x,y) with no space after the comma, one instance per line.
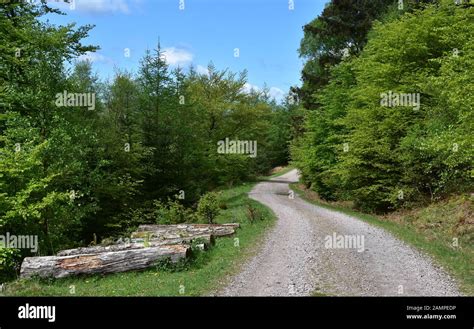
(184,230)
(163,241)
(102,262)
(138,243)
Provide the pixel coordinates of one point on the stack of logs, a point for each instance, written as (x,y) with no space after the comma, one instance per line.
(149,244)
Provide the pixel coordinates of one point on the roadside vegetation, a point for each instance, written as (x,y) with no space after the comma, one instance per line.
(392,124)
(203,274)
(387,131)
(148,148)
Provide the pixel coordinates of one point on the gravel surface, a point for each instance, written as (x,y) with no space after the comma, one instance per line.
(296,260)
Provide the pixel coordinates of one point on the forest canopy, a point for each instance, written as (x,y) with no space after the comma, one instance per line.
(83,159)
(380,153)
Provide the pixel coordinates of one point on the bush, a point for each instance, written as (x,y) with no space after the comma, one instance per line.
(172,212)
(9,263)
(222,205)
(208,207)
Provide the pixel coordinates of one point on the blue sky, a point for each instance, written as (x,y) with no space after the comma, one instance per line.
(267,34)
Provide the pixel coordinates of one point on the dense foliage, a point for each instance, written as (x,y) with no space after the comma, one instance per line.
(385,155)
(144,151)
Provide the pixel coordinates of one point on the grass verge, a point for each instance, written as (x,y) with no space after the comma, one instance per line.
(203,275)
(279,171)
(443,230)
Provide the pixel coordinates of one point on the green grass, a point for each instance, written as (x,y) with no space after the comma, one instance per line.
(318,294)
(201,276)
(417,229)
(280,172)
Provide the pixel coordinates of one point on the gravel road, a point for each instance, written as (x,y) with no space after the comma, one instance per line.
(312,249)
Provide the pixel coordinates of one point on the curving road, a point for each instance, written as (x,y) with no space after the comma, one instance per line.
(312,249)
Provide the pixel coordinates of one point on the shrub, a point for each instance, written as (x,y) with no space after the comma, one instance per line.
(208,207)
(9,263)
(222,205)
(172,212)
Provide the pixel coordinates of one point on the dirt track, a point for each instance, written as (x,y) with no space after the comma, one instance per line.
(296,260)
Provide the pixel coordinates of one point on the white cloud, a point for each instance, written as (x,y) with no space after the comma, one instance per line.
(276,93)
(202,70)
(273,92)
(248,87)
(177,56)
(95,58)
(95,6)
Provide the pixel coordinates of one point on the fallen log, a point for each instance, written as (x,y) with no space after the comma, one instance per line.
(184,230)
(149,227)
(101,263)
(138,243)
(205,239)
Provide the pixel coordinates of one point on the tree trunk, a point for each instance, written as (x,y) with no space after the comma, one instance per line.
(149,244)
(102,262)
(184,230)
(137,244)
